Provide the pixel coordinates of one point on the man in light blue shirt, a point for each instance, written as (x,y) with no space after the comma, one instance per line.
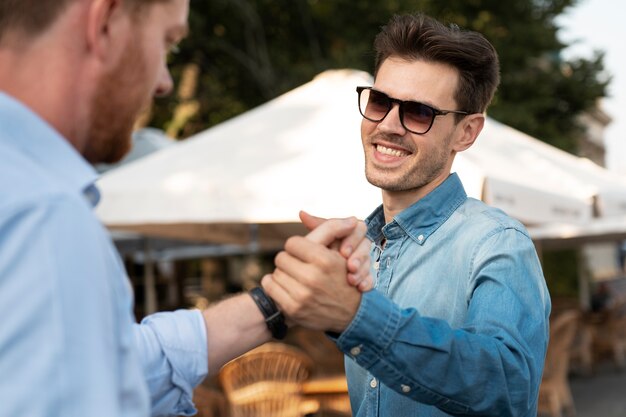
(458,321)
(74,74)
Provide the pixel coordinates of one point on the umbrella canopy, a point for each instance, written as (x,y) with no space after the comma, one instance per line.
(526,161)
(566,235)
(246,179)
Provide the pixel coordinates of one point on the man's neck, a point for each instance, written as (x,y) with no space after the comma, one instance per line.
(394,202)
(51,90)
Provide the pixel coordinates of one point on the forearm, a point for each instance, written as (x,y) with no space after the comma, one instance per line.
(234,326)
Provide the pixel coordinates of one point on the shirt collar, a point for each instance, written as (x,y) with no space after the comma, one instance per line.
(421,219)
(28,132)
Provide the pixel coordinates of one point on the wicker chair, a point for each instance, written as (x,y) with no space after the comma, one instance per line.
(267,381)
(610,334)
(581,351)
(554,392)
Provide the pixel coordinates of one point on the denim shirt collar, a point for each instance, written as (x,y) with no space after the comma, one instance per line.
(44,145)
(421,219)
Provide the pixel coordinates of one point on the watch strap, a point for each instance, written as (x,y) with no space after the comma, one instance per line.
(274,319)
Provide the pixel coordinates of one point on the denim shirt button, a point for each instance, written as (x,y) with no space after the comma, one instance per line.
(405,388)
(420,237)
(373,383)
(376,265)
(355,351)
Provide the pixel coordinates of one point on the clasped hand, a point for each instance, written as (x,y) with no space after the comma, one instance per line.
(319,278)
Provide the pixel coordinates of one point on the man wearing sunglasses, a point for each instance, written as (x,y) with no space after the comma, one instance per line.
(458,321)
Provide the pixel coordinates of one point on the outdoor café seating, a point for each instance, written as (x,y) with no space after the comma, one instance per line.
(278,380)
(555,397)
(609,336)
(267,381)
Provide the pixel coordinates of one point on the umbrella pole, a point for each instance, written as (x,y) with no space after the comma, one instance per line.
(149,282)
(584,292)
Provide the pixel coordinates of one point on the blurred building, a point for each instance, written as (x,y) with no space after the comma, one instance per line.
(592,145)
(601,260)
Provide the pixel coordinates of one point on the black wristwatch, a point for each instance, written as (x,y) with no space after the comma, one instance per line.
(273,317)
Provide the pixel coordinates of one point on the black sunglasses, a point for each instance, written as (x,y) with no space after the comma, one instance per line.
(416,117)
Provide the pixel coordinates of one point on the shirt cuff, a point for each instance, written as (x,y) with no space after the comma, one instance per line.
(182,341)
(372,330)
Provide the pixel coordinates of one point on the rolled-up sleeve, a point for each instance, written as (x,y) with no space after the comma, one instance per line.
(172,348)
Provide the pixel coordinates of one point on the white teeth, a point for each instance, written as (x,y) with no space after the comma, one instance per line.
(388,151)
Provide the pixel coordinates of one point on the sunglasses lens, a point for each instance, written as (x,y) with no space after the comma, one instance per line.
(417,116)
(374,105)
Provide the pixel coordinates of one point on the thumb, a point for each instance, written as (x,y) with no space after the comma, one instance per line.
(331,230)
(310,221)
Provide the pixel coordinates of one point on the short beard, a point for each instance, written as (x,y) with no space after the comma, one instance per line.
(417,176)
(108,142)
(115,111)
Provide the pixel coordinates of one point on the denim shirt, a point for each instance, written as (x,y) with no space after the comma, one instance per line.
(458,321)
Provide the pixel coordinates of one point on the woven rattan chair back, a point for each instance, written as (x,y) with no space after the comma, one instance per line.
(266,382)
(555,396)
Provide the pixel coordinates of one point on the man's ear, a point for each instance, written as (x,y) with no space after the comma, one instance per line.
(103,19)
(470,127)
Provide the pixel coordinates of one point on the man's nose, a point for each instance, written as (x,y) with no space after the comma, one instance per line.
(165,83)
(392,123)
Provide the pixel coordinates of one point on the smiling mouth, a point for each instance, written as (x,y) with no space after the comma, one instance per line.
(391,152)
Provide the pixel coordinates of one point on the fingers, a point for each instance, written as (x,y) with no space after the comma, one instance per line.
(366,285)
(310,221)
(359,265)
(362,283)
(310,263)
(352,240)
(334,229)
(353,246)
(301,254)
(331,306)
(362,279)
(291,297)
(359,259)
(339,234)
(280,290)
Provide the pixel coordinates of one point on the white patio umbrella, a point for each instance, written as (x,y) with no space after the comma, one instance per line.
(519,174)
(524,159)
(246,179)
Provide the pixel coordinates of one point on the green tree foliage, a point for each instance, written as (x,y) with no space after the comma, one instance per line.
(250,51)
(560,268)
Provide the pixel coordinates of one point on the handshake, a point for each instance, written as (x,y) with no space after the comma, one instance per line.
(319,278)
(318,283)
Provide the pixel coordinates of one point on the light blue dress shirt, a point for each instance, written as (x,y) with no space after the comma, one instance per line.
(458,321)
(69,345)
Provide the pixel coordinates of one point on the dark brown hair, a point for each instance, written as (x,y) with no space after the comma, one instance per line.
(33,17)
(420,37)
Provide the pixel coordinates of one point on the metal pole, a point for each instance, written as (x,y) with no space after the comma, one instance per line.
(149,281)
